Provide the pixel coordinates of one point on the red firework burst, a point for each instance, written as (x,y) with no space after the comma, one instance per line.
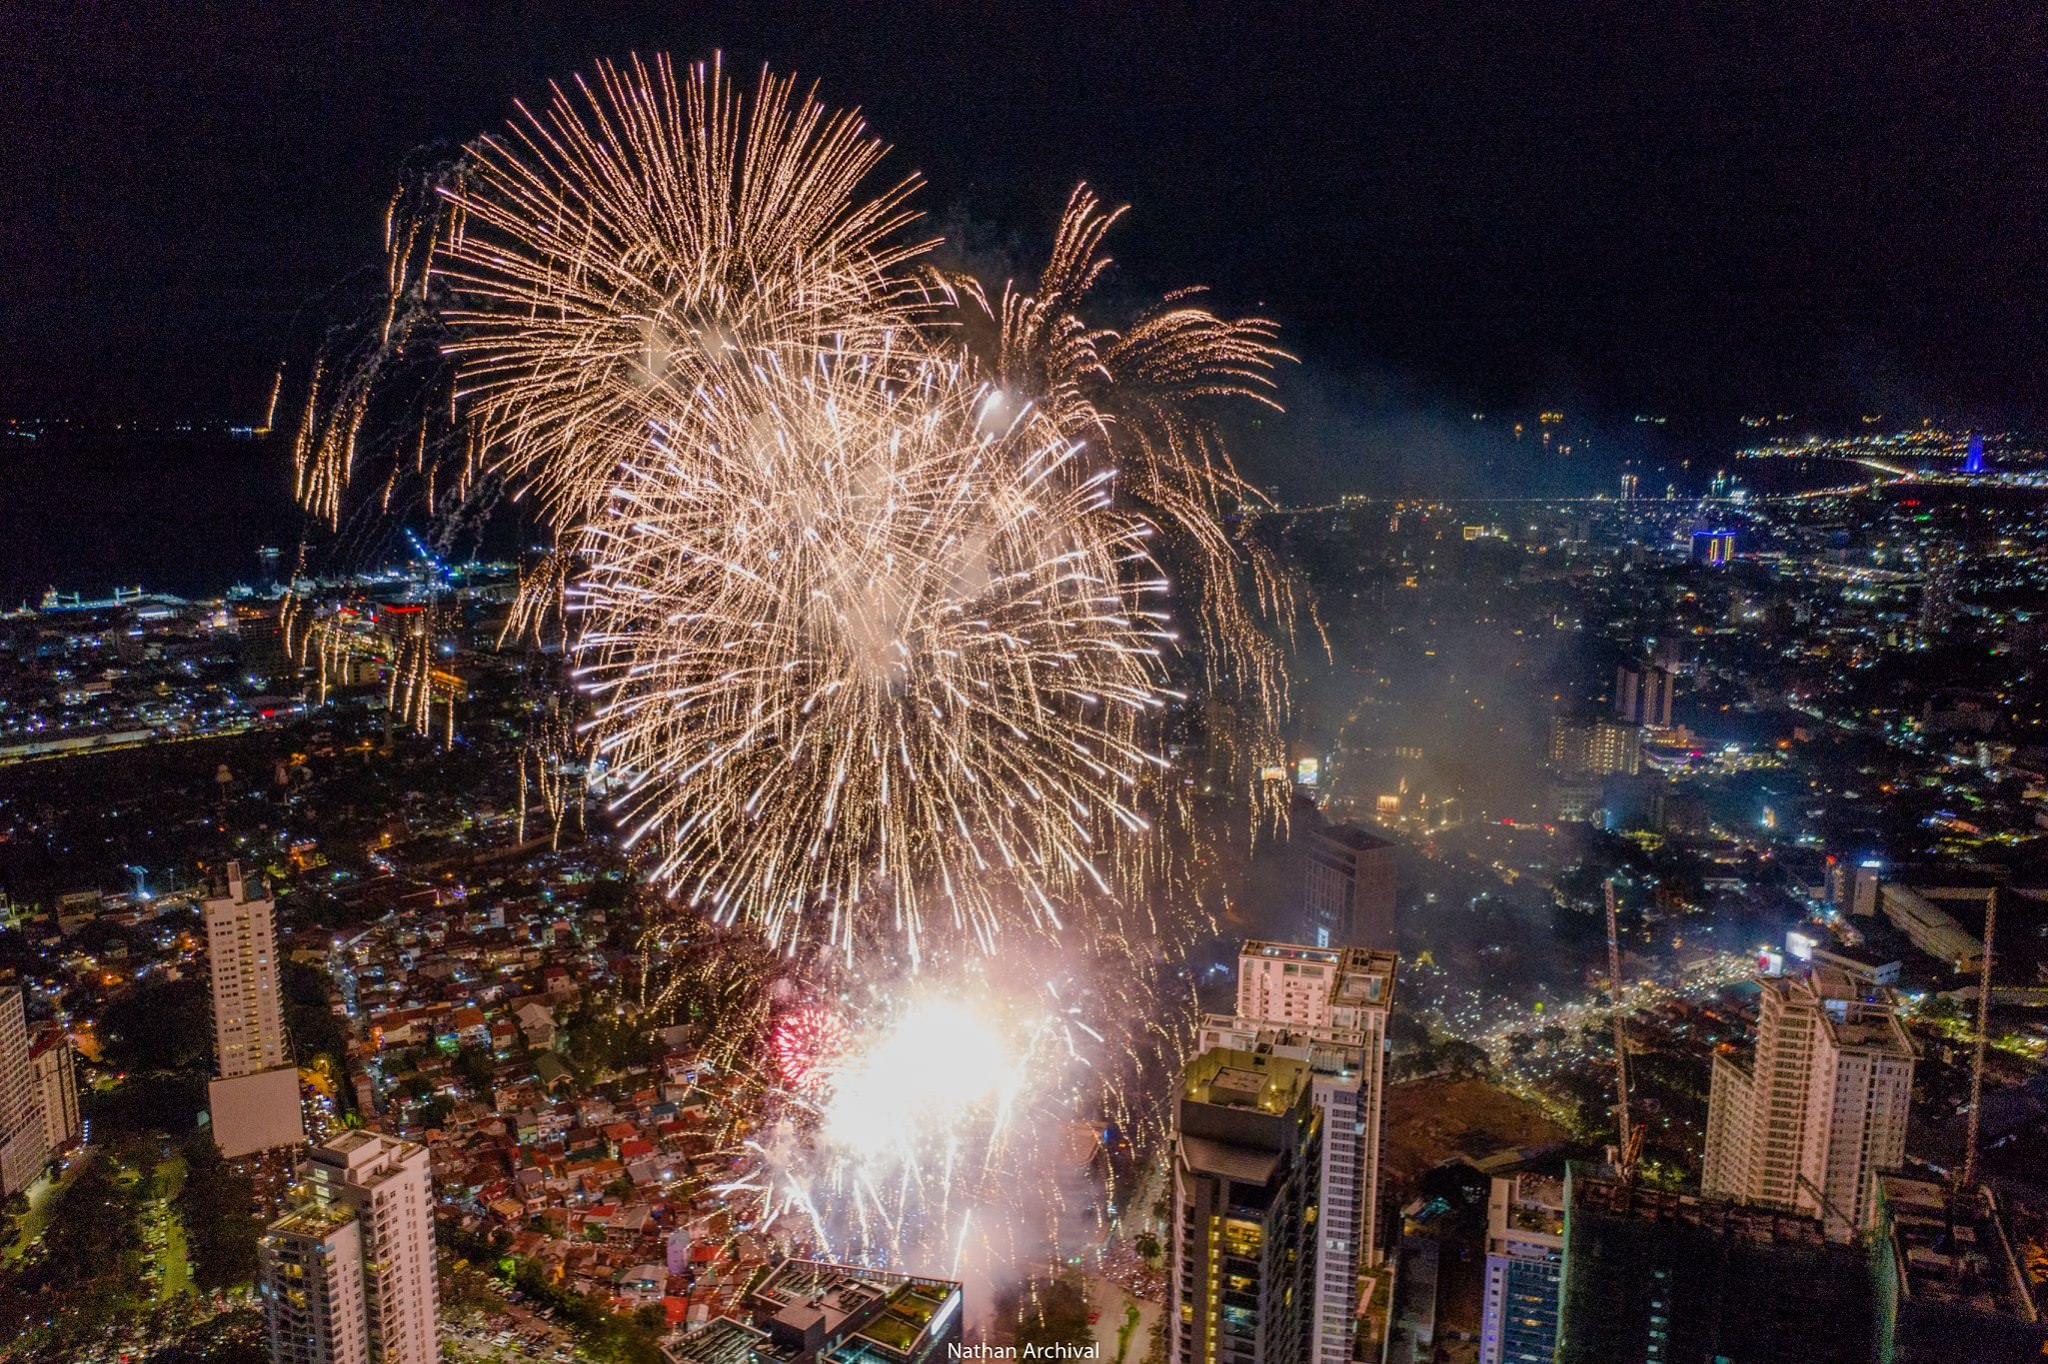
(808,1042)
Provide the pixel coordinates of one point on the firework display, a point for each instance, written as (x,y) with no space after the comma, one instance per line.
(872,660)
(955,1120)
(809,1043)
(884,593)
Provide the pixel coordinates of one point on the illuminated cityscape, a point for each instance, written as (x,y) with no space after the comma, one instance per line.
(811,698)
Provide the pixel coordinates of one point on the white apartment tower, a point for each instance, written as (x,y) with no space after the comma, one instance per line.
(23,1152)
(56,1081)
(241,950)
(1328,1007)
(348,1275)
(1822,1110)
(312,1272)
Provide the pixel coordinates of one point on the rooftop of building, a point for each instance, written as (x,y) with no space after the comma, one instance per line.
(1535,1204)
(367,1157)
(721,1341)
(855,1314)
(1283,951)
(1595,1189)
(1229,1078)
(1364,975)
(313,1219)
(1324,1054)
(1954,1251)
(1857,1014)
(1353,837)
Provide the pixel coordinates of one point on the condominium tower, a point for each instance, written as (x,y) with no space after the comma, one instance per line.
(241,952)
(1822,1109)
(1246,1159)
(1326,1007)
(348,1274)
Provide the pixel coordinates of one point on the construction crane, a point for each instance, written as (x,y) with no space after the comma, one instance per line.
(1827,1205)
(1629,1149)
(1983,1030)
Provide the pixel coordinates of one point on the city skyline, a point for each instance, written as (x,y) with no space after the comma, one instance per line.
(819,687)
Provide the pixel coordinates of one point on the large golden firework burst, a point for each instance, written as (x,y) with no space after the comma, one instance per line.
(876,579)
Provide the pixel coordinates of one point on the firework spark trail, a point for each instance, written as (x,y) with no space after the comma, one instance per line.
(866,591)
(958,1116)
(884,591)
(615,247)
(863,654)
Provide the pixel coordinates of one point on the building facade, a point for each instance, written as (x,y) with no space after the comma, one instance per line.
(1524,1261)
(1669,1278)
(1326,1008)
(1951,1269)
(1822,1108)
(311,1262)
(1246,1159)
(254,1101)
(56,1080)
(349,1273)
(1643,694)
(1598,747)
(23,1152)
(1348,887)
(241,954)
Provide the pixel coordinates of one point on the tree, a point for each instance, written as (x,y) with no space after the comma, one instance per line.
(221,1228)
(163,1025)
(478,1069)
(91,1230)
(236,1337)
(1463,1058)
(1043,1312)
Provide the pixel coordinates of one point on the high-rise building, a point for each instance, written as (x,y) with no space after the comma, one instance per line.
(254,1102)
(1340,993)
(264,659)
(23,1152)
(1822,1108)
(1614,749)
(1600,747)
(1643,695)
(1669,1278)
(241,952)
(348,1275)
(1524,1260)
(311,1263)
(56,1080)
(1853,886)
(1342,1091)
(1247,1152)
(1348,882)
(1939,580)
(1327,1008)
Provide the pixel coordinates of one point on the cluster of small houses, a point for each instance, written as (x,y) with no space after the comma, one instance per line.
(607,1185)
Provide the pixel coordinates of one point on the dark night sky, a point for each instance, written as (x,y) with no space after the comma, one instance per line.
(1632,206)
